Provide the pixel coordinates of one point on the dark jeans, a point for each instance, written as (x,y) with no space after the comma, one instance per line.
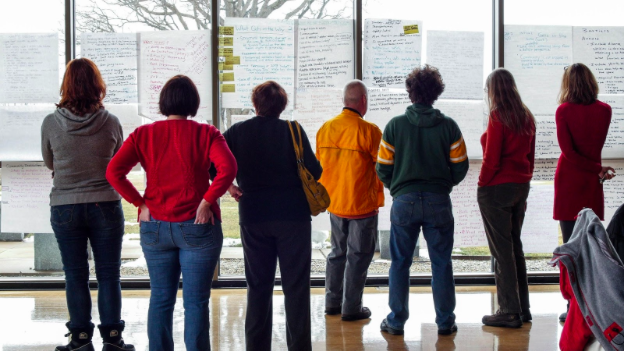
(567,226)
(103,225)
(172,248)
(353,246)
(410,213)
(263,245)
(503,211)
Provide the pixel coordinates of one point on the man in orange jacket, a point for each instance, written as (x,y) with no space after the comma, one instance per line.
(347,147)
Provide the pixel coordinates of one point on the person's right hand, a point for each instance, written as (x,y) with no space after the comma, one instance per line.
(604,174)
(144,213)
(235,192)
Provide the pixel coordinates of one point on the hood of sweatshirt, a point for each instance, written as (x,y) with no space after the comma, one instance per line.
(81,125)
(424,115)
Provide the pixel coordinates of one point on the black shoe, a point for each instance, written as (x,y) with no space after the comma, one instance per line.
(80,339)
(526,316)
(448,331)
(112,337)
(364,313)
(563,316)
(504,320)
(384,327)
(333,311)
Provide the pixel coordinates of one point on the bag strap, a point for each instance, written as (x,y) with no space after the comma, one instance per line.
(295,144)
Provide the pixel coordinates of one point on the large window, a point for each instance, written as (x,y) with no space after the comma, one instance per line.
(312,48)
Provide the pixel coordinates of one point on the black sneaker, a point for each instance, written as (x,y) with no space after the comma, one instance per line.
(526,316)
(449,330)
(364,313)
(563,316)
(333,311)
(384,327)
(504,320)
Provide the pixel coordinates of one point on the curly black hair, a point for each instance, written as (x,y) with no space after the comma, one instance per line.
(424,85)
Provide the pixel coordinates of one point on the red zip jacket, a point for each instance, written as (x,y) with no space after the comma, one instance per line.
(177,156)
(508,156)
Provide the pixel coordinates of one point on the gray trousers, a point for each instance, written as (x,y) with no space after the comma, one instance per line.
(353,246)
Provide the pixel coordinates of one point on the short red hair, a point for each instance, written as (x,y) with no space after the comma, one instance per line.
(83,88)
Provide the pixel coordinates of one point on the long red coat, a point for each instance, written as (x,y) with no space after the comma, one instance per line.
(582,130)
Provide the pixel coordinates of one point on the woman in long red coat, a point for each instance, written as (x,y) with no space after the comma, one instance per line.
(582,124)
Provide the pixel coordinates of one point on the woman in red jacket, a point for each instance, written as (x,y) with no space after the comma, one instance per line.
(582,124)
(179,215)
(504,184)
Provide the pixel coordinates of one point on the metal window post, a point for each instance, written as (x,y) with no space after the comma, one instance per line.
(498,34)
(70,30)
(358,38)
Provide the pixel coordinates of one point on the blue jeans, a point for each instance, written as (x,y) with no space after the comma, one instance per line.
(172,248)
(102,224)
(432,212)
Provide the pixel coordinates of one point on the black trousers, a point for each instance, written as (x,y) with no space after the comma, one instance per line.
(503,211)
(566,226)
(263,245)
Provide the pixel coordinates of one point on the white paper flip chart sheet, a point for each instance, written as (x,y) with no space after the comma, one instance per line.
(392,49)
(26,197)
(470,117)
(314,107)
(384,215)
(601,49)
(325,53)
(537,56)
(547,146)
(468,228)
(384,104)
(540,231)
(613,190)
(29,68)
(459,57)
(544,170)
(165,54)
(262,50)
(128,116)
(20,135)
(115,54)
(613,147)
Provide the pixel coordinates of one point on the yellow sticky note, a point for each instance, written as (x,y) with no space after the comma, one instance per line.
(226,41)
(233,60)
(220,66)
(228,76)
(227,67)
(225,52)
(221,77)
(227,88)
(411,29)
(226,30)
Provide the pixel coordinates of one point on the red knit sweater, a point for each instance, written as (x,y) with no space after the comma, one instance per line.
(508,157)
(176,155)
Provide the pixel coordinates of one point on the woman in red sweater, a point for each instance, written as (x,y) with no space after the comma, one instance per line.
(582,124)
(504,184)
(179,215)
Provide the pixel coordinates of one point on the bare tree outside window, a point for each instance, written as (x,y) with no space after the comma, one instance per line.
(114,15)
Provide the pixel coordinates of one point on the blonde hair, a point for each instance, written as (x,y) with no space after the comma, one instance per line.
(579,85)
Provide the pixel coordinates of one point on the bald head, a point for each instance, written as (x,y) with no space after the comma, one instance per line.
(355,96)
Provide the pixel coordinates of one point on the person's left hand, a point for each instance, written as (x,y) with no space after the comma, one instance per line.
(204,213)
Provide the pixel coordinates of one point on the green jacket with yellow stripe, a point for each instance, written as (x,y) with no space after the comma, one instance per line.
(422,150)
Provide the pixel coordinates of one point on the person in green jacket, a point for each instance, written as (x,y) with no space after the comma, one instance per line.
(422,156)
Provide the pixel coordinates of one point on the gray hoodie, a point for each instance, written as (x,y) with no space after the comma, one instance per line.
(596,275)
(78,149)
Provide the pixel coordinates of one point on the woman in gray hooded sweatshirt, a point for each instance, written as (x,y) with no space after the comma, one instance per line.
(77,142)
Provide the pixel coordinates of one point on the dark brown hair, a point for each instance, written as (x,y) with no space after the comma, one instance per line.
(269,99)
(504,100)
(579,86)
(83,89)
(424,85)
(179,96)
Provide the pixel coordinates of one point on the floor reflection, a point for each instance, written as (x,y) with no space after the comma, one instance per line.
(35,321)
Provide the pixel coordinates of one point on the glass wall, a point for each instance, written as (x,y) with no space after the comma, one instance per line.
(32,60)
(309,47)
